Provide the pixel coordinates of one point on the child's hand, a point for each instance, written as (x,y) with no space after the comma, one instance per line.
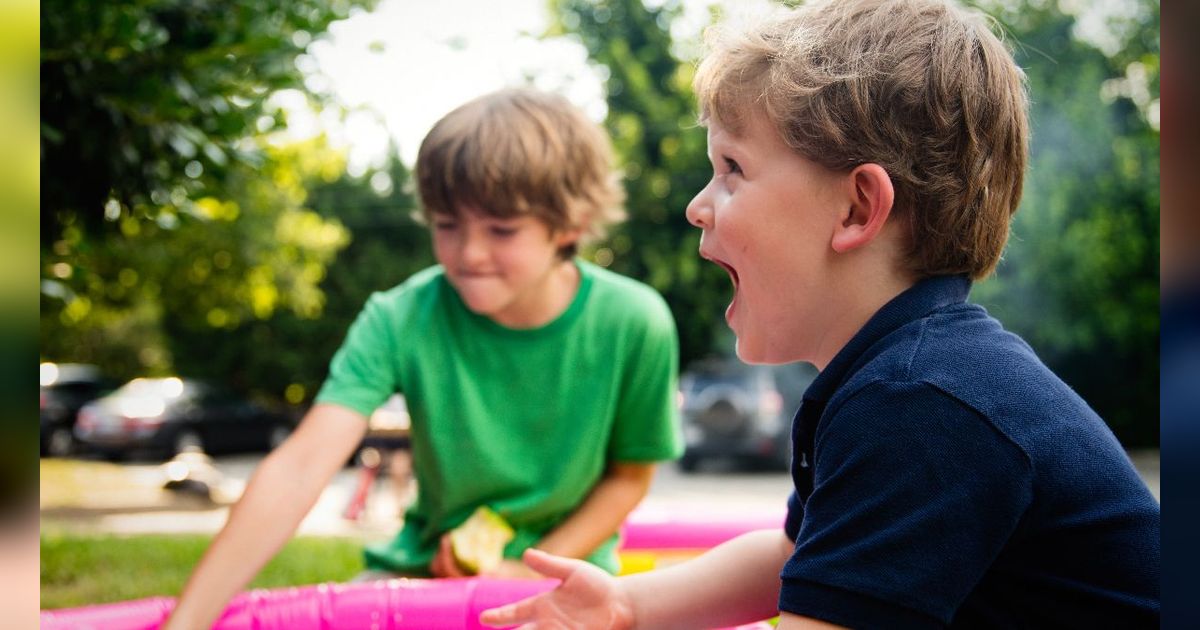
(444,565)
(587,598)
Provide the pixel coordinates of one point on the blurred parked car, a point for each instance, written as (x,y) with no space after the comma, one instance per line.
(173,415)
(731,410)
(65,388)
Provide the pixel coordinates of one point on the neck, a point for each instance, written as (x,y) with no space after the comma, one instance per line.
(867,295)
(543,305)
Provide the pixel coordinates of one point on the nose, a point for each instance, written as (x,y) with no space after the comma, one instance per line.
(699,210)
(472,249)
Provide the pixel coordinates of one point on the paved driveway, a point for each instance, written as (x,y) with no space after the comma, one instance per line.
(128,498)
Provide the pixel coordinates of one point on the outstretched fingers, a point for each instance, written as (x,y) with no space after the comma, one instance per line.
(521,612)
(550,565)
(586,598)
(525,611)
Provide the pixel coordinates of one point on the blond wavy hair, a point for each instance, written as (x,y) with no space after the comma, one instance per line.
(923,88)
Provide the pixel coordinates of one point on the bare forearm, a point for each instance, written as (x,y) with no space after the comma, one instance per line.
(602,513)
(280,493)
(736,582)
(259,524)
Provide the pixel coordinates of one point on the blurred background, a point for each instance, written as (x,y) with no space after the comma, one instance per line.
(222,185)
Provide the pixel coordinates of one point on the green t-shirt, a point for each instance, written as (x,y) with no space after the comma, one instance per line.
(523,421)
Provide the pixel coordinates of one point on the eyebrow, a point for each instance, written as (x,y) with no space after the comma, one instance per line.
(728,140)
(726,149)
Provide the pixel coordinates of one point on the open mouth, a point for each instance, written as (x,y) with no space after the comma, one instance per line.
(733,275)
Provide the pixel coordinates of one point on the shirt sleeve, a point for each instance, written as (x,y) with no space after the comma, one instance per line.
(362,374)
(914,496)
(646,427)
(795,516)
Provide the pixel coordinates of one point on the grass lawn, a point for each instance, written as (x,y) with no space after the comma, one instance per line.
(80,569)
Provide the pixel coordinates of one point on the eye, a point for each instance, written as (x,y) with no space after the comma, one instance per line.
(444,225)
(732,167)
(502,231)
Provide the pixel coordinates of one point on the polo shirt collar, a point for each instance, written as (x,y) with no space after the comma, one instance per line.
(922,298)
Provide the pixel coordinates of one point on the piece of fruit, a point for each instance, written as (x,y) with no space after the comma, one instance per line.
(478,543)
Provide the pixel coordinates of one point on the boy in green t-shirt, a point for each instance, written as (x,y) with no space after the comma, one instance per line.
(539,385)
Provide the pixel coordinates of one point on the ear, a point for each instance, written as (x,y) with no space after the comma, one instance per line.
(563,238)
(871,196)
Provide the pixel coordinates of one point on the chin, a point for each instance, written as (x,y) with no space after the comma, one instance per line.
(481,304)
(753,356)
(484,309)
(759,356)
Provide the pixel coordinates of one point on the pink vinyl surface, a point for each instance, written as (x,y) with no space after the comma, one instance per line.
(404,604)
(451,604)
(653,529)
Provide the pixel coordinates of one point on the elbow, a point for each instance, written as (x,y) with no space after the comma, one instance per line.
(635,478)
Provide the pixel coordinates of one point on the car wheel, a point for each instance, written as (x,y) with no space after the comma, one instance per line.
(689,462)
(60,443)
(188,440)
(279,433)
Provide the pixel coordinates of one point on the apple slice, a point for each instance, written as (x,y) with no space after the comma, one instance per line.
(479,542)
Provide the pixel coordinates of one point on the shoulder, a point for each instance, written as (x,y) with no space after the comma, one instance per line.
(960,350)
(423,283)
(963,355)
(970,356)
(420,290)
(622,299)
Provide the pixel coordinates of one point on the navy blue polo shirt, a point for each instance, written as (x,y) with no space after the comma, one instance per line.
(945,477)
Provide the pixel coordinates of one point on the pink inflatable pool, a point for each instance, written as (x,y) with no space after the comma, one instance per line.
(382,605)
(405,604)
(658,529)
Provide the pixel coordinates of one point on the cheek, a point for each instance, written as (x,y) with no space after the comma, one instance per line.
(527,251)
(440,248)
(445,249)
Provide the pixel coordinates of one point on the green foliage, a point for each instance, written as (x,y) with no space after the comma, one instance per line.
(175,231)
(147,103)
(88,569)
(1080,276)
(287,354)
(662,150)
(136,298)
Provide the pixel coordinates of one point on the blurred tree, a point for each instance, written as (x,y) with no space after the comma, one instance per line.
(662,150)
(386,246)
(173,293)
(146,104)
(1080,276)
(173,224)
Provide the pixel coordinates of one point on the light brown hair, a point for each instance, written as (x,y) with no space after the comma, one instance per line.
(519,152)
(921,87)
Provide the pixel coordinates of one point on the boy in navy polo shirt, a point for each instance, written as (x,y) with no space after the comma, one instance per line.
(868,156)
